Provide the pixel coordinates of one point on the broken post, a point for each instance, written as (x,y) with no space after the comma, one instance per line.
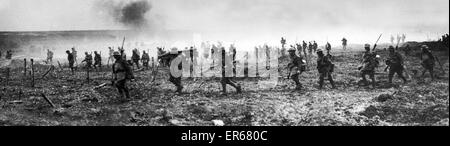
(25,67)
(48,71)
(7,75)
(60,67)
(32,73)
(48,100)
(87,74)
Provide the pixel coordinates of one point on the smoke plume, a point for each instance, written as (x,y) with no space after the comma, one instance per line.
(131,14)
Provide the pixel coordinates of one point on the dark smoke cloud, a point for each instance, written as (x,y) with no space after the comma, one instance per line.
(132,14)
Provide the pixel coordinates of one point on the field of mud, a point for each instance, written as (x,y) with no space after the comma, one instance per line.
(77,102)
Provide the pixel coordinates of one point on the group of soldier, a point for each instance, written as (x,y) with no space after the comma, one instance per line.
(123,72)
(8,54)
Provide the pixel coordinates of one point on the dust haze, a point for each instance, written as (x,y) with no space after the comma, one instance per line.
(245,22)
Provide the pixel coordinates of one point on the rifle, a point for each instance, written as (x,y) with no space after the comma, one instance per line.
(375,45)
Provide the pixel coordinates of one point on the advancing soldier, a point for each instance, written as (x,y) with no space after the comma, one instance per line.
(111,55)
(296,67)
(325,68)
(8,55)
(135,57)
(121,73)
(88,60)
(145,59)
(344,43)
(315,46)
(283,42)
(305,47)
(227,80)
(395,63)
(428,61)
(74,54)
(97,60)
(49,57)
(328,48)
(369,64)
(299,49)
(71,60)
(310,48)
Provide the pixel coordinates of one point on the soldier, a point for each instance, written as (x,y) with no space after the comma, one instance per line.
(74,54)
(145,59)
(325,68)
(111,54)
(403,38)
(227,80)
(296,67)
(305,46)
(299,49)
(315,46)
(88,60)
(369,64)
(8,55)
(328,48)
(344,43)
(283,42)
(98,60)
(121,73)
(392,39)
(49,56)
(71,60)
(310,48)
(135,57)
(395,63)
(428,61)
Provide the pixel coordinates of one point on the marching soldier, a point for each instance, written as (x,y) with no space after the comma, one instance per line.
(88,60)
(227,80)
(325,68)
(328,48)
(369,65)
(296,67)
(305,46)
(135,57)
(145,59)
(344,43)
(428,61)
(395,63)
(111,55)
(283,42)
(121,73)
(74,54)
(8,55)
(315,46)
(97,60)
(310,48)
(49,56)
(71,60)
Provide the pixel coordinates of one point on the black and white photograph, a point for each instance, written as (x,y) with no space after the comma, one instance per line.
(224,63)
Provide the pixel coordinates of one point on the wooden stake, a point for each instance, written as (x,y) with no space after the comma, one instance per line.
(48,71)
(25,67)
(60,67)
(48,100)
(32,73)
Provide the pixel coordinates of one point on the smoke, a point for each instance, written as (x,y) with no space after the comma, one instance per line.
(131,14)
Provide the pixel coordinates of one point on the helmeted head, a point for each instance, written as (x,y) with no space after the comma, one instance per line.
(174,51)
(291,51)
(320,52)
(117,55)
(391,49)
(367,46)
(95,52)
(68,52)
(86,53)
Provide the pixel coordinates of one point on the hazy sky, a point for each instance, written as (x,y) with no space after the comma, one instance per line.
(358,20)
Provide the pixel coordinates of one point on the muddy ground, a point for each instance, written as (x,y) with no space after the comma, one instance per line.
(77,103)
